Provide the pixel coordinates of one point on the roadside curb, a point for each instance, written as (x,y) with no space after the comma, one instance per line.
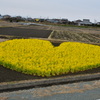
(27,84)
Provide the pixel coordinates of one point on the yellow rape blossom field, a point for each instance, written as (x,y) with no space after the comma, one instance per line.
(41,58)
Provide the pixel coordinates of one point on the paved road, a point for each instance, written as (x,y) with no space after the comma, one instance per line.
(75,91)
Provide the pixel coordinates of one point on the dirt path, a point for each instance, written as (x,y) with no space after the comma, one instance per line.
(2,40)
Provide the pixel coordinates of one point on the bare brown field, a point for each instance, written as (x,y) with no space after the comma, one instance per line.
(77,34)
(8,24)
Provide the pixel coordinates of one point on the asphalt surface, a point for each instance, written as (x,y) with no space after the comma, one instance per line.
(89,90)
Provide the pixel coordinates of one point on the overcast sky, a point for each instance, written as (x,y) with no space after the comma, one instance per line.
(70,9)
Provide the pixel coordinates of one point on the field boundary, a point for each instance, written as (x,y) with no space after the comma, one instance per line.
(27,84)
(49,37)
(57,41)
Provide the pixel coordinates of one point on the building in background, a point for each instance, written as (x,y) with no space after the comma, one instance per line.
(84,22)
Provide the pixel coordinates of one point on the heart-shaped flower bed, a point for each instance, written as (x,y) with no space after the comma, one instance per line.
(41,58)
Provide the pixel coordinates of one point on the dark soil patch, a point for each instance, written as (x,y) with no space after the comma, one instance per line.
(7,75)
(22,32)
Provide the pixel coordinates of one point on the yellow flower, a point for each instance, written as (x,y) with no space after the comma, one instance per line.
(40,57)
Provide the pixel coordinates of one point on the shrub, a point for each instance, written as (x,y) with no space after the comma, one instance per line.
(41,58)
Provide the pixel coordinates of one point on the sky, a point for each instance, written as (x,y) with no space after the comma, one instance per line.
(69,9)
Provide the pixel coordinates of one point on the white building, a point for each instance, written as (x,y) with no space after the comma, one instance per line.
(98,23)
(85,22)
